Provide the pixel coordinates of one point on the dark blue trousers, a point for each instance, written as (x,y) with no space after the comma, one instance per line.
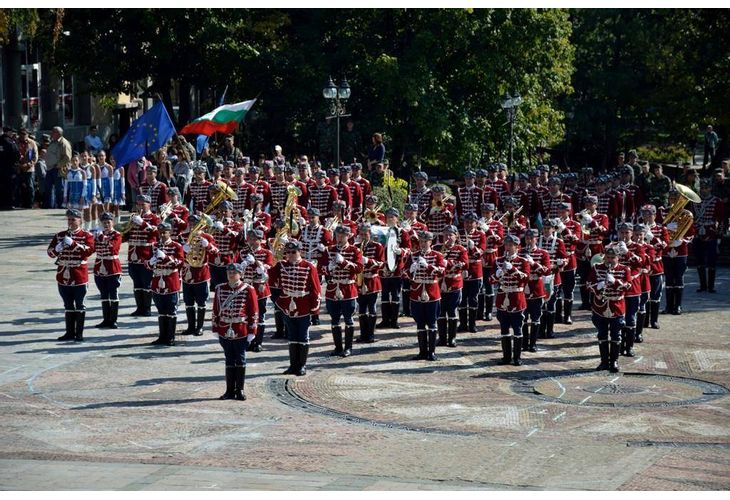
(425,314)
(338,309)
(297,329)
(141,277)
(196,293)
(366,303)
(449,302)
(391,290)
(608,327)
(166,304)
(234,350)
(470,293)
(108,287)
(632,308)
(511,320)
(73,297)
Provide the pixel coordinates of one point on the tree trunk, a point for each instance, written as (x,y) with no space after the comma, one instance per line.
(186,98)
(12,84)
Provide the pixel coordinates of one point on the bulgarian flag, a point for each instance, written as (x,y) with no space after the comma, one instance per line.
(222,119)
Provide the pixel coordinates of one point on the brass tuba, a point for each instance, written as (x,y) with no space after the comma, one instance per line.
(196,255)
(680,215)
(290,226)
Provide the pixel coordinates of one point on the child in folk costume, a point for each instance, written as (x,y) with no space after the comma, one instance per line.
(75,188)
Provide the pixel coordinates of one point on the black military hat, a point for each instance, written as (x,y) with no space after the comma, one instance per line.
(648,208)
(288,169)
(501,167)
(425,235)
(343,229)
(193,219)
(549,223)
(257,198)
(292,245)
(345,168)
(339,204)
(106,216)
(533,173)
(173,191)
(626,226)
(227,205)
(593,200)
(278,169)
(411,206)
(371,198)
(510,200)
(438,188)
(314,211)
(563,205)
(420,175)
(144,198)
(554,180)
(451,229)
(469,174)
(610,251)
(482,173)
(532,232)
(333,171)
(164,226)
(364,227)
(492,167)
(511,238)
(253,170)
(319,174)
(489,207)
(471,216)
(256,233)
(234,267)
(392,211)
(72,212)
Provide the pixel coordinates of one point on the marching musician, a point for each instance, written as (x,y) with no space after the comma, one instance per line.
(608,202)
(165,264)
(197,194)
(413,227)
(365,186)
(594,230)
(339,217)
(108,270)
(235,310)
(196,275)
(577,193)
(475,241)
(343,192)
(468,197)
(494,232)
(420,195)
(243,190)
(424,268)
(511,273)
(302,199)
(299,286)
(262,187)
(142,237)
(392,281)
(225,233)
(514,222)
(305,178)
(452,283)
(256,272)
(322,196)
(631,195)
(642,236)
(535,294)
(500,186)
(709,221)
(675,260)
(659,239)
(631,255)
(71,249)
(314,240)
(156,190)
(343,262)
(373,260)
(279,192)
(261,220)
(529,196)
(440,214)
(608,281)
(356,194)
(554,199)
(571,232)
(555,247)
(179,214)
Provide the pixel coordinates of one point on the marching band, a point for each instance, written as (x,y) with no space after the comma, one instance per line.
(519,250)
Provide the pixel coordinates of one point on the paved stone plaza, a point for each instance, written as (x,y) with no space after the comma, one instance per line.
(117,413)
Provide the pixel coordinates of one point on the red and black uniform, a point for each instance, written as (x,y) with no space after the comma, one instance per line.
(71,249)
(197,195)
(452,284)
(157,193)
(556,249)
(475,243)
(322,198)
(343,194)
(257,274)
(262,222)
(675,265)
(501,187)
(365,186)
(165,263)
(421,197)
(244,190)
(226,240)
(531,201)
(314,241)
(710,218)
(341,266)
(141,239)
(424,270)
(178,219)
(551,204)
(108,274)
(608,285)
(392,280)
(438,218)
(511,275)
(535,293)
(264,189)
(469,199)
(196,278)
(591,243)
(373,261)
(278,196)
(357,199)
(494,231)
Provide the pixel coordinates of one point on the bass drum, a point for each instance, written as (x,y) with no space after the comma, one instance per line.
(391,248)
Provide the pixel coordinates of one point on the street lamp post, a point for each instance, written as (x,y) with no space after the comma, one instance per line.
(337,96)
(509,105)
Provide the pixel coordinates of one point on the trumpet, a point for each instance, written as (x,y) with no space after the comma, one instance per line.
(511,216)
(128,226)
(165,210)
(371,214)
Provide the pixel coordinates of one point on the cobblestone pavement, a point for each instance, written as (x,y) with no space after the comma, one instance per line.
(117,413)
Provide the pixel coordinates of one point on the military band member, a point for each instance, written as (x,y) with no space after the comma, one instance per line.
(555,199)
(424,268)
(108,270)
(235,310)
(594,227)
(322,196)
(71,249)
(256,273)
(343,262)
(499,185)
(514,223)
(570,232)
(608,282)
(413,227)
(631,195)
(262,187)
(196,275)
(372,214)
(278,188)
(529,197)
(440,214)
(709,217)
(511,275)
(197,194)
(373,260)
(343,191)
(356,195)
(421,194)
(298,299)
(469,198)
(340,218)
(392,281)
(365,186)
(261,220)
(494,231)
(631,255)
(243,190)
(178,217)
(555,248)
(225,233)
(165,264)
(156,190)
(475,241)
(142,238)
(535,294)
(659,240)
(452,283)
(675,261)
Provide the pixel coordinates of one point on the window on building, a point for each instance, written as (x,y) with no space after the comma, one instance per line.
(30,90)
(66,100)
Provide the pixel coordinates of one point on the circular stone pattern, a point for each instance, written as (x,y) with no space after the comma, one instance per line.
(622,390)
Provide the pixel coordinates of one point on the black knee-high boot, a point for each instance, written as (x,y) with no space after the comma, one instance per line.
(559,311)
(422,345)
(703,279)
(451,324)
(605,361)
(678,292)
(480,306)
(337,339)
(302,359)
(386,311)
(441,325)
(70,326)
(463,321)
(105,306)
(79,326)
(711,279)
(525,335)
(517,350)
(638,337)
(138,302)
(240,380)
(431,345)
(613,357)
(362,321)
(192,320)
(568,312)
(199,321)
(628,333)
(349,334)
(171,327)
(471,320)
(549,325)
(230,383)
(488,304)
(533,338)
(654,320)
(293,358)
(147,302)
(162,329)
(395,311)
(406,303)
(113,314)
(585,304)
(507,349)
(279,332)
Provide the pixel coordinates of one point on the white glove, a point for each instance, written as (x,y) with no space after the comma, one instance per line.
(204,243)
(601,285)
(529,259)
(160,254)
(422,263)
(610,279)
(586,219)
(218,225)
(153,261)
(675,243)
(499,272)
(470,244)
(59,247)
(365,261)
(398,251)
(186,248)
(672,226)
(321,247)
(250,337)
(561,227)
(339,258)
(136,220)
(508,266)
(250,259)
(622,248)
(284,239)
(67,241)
(414,267)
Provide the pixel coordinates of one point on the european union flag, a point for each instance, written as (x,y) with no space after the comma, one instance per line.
(147,134)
